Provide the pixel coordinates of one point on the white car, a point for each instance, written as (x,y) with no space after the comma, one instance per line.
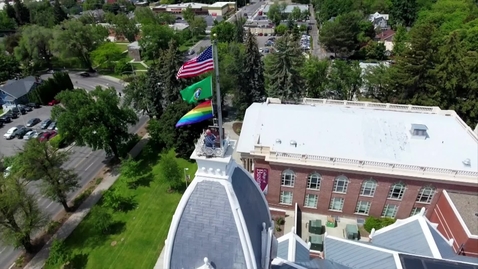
(29,135)
(10,133)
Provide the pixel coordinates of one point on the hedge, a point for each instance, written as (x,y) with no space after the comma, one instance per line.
(377,223)
(49,88)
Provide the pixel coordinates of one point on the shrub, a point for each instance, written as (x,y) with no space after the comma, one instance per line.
(101,220)
(114,200)
(58,253)
(55,141)
(377,223)
(52,227)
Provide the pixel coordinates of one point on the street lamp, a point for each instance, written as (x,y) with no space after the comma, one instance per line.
(186,176)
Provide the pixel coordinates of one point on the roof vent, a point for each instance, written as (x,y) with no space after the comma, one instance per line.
(419,131)
(278,141)
(293,143)
(467,162)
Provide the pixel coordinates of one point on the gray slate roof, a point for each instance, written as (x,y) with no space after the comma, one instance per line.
(283,249)
(207,229)
(302,253)
(18,88)
(254,208)
(340,251)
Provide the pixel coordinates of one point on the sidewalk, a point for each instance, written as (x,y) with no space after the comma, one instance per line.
(69,226)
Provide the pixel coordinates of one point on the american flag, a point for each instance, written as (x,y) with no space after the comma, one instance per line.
(198,65)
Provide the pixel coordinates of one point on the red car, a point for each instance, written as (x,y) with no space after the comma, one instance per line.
(53,102)
(47,136)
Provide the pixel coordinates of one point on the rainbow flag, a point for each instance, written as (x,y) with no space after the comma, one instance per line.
(201,112)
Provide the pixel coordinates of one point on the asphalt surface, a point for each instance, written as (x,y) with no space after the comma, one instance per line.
(86,162)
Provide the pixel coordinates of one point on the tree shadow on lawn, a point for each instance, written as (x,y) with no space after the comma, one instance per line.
(86,237)
(142,181)
(79,261)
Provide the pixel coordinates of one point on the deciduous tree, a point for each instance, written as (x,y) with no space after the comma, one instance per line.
(6,23)
(9,67)
(145,93)
(170,169)
(58,12)
(22,14)
(314,72)
(75,39)
(341,35)
(35,48)
(106,55)
(223,32)
(39,161)
(344,80)
(155,38)
(145,16)
(403,12)
(125,27)
(94,118)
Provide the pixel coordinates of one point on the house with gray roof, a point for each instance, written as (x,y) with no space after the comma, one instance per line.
(15,91)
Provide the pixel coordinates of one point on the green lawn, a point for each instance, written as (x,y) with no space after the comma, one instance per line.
(138,66)
(141,232)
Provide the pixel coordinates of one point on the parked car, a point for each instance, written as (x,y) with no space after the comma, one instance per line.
(6,118)
(12,115)
(85,74)
(34,105)
(29,135)
(45,124)
(33,122)
(36,134)
(19,110)
(2,123)
(191,52)
(47,136)
(26,108)
(52,125)
(10,133)
(53,102)
(21,132)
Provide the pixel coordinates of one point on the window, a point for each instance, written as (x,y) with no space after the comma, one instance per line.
(390,211)
(336,204)
(340,184)
(311,200)
(396,191)
(286,197)
(415,211)
(368,188)
(313,181)
(288,178)
(363,207)
(425,195)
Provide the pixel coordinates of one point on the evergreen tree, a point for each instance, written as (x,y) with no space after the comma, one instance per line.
(58,12)
(403,12)
(283,70)
(239,27)
(10,10)
(171,60)
(22,14)
(251,87)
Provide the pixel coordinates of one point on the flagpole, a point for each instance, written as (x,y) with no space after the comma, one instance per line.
(218,92)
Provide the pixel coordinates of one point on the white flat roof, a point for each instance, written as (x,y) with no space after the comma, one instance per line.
(221,4)
(365,134)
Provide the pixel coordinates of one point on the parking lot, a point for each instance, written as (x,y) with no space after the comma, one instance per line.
(13,146)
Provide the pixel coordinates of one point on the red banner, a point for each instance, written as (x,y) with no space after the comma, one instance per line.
(261,175)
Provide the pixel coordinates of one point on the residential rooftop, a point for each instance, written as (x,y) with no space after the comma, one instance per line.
(363,133)
(467,206)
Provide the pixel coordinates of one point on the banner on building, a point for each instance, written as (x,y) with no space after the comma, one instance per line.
(261,175)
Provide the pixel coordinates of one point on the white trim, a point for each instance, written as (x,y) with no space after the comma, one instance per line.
(442,219)
(458,215)
(270,233)
(277,210)
(280,261)
(398,223)
(291,251)
(429,237)
(435,227)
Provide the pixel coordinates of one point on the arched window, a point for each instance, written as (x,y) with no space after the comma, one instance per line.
(313,181)
(288,178)
(396,191)
(368,188)
(425,195)
(340,184)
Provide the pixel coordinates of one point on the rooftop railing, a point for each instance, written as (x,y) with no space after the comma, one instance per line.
(210,152)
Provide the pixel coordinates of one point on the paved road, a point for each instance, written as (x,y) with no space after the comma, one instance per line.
(83,160)
(317,50)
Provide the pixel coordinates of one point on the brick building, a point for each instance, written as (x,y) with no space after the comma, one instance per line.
(457,217)
(357,158)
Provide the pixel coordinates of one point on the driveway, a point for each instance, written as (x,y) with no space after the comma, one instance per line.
(86,162)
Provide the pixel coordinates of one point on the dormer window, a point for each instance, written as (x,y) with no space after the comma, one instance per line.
(419,131)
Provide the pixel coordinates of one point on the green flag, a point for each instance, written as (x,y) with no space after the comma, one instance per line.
(198,91)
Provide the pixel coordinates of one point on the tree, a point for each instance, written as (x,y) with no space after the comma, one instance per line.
(333,8)
(94,118)
(400,41)
(11,42)
(198,26)
(22,14)
(75,39)
(41,14)
(34,47)
(164,134)
(252,88)
(403,12)
(171,59)
(125,27)
(92,4)
(375,80)
(58,12)
(224,32)
(19,213)
(155,38)
(101,219)
(344,80)
(9,67)
(296,14)
(106,55)
(341,35)
(188,14)
(6,23)
(10,12)
(170,169)
(39,161)
(275,13)
(375,50)
(145,16)
(283,70)
(314,72)
(239,25)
